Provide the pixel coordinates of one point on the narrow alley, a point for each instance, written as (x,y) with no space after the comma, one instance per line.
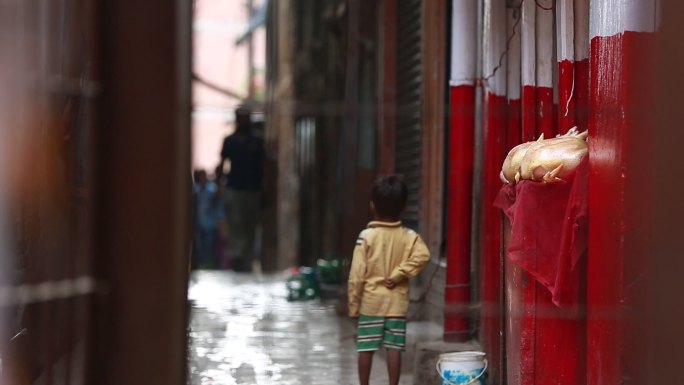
(244,331)
(201,192)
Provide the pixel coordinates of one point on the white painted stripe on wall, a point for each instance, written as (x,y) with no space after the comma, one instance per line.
(514,24)
(581,16)
(47,291)
(494,45)
(545,55)
(463,42)
(565,30)
(612,17)
(528,44)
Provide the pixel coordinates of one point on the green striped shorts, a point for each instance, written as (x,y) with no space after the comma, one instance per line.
(376,331)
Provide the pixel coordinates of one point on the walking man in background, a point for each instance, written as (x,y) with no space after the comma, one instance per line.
(243,189)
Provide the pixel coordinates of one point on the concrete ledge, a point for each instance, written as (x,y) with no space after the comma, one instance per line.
(426,356)
(417,333)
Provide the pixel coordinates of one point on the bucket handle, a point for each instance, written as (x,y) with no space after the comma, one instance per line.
(439,370)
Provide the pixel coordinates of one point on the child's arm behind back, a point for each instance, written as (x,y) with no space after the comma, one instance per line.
(418,257)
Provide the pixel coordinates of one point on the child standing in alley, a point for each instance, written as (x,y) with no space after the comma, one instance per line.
(385,257)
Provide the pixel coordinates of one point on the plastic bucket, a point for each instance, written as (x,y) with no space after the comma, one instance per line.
(462,368)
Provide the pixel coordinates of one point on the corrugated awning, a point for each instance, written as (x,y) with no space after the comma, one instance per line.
(257,20)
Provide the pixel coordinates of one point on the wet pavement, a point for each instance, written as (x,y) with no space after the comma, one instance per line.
(244,331)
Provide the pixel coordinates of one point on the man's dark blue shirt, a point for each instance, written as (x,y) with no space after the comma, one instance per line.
(246,155)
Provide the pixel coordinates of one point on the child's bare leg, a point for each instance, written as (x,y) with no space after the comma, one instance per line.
(365,363)
(393,366)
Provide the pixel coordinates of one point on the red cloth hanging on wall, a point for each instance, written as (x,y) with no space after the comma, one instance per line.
(549,232)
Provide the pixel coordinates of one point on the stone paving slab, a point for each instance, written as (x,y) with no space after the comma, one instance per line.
(243,331)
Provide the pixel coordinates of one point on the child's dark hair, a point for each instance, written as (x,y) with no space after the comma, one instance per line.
(389,196)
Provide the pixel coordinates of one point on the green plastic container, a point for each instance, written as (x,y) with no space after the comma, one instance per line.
(329,271)
(302,286)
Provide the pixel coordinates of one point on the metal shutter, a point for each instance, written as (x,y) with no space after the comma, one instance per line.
(408,102)
(305,152)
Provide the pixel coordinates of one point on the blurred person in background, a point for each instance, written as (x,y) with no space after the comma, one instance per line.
(221,241)
(208,215)
(245,152)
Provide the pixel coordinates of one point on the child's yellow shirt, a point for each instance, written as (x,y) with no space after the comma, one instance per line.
(384,250)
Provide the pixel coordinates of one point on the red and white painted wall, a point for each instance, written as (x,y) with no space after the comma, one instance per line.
(572,41)
(546,66)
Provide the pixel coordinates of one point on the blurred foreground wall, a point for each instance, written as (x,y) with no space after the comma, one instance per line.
(49,88)
(94,190)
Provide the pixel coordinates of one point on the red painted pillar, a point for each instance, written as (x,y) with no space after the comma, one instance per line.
(513,300)
(494,141)
(524,289)
(621,37)
(460,178)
